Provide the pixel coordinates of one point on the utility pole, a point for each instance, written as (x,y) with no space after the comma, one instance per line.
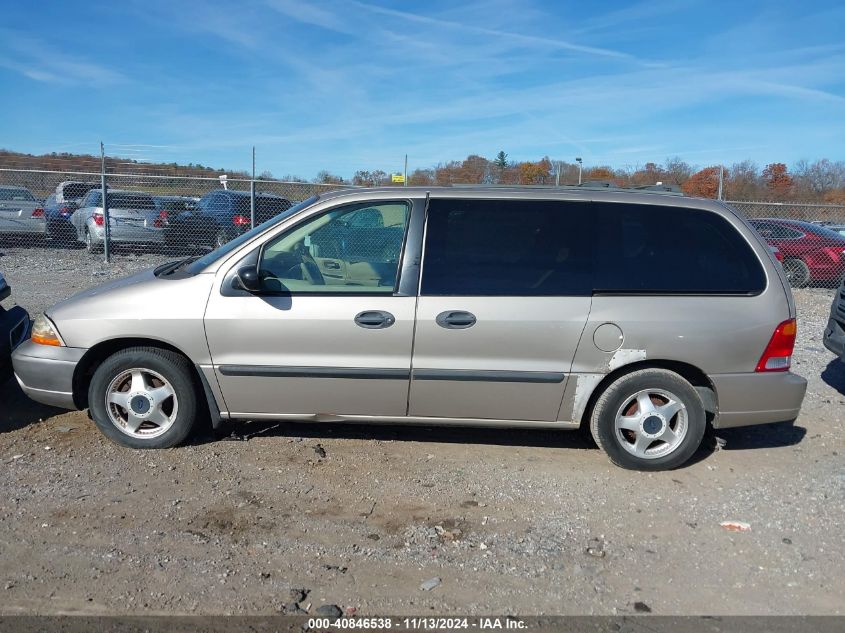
(252,193)
(107,231)
(405,179)
(557,175)
(721,182)
(579,161)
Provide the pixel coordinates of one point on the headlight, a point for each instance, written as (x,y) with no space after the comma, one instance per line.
(45,333)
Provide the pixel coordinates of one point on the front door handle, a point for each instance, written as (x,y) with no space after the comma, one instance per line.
(374,319)
(456,319)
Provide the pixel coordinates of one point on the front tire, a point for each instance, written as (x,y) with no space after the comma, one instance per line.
(649,419)
(144,397)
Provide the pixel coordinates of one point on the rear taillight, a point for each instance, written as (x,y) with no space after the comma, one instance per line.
(779,256)
(98,219)
(778,354)
(38,213)
(240,220)
(834,252)
(162,220)
(65,211)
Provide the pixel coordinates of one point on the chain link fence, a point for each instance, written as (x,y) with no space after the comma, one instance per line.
(57,220)
(176,213)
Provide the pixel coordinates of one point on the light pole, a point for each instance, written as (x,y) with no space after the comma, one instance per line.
(578,160)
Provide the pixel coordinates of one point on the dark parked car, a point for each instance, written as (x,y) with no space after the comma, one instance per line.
(185,225)
(59,207)
(14,327)
(230,211)
(811,253)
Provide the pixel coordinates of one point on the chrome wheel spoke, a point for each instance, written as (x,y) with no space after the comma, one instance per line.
(133,422)
(641,444)
(138,382)
(669,436)
(644,403)
(158,417)
(629,422)
(160,394)
(120,398)
(669,409)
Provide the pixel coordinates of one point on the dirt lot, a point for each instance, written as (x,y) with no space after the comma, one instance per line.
(509,522)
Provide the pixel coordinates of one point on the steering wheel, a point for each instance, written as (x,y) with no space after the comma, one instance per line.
(310,271)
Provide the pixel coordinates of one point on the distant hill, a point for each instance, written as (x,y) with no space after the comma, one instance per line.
(66,162)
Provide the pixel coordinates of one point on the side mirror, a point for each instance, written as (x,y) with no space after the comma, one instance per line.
(248,278)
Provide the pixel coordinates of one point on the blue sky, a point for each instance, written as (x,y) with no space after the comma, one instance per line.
(347,84)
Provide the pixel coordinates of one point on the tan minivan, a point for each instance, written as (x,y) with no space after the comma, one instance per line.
(642,316)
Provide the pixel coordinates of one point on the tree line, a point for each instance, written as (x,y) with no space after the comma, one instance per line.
(820,181)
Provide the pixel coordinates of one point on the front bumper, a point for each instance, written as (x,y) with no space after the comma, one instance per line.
(45,373)
(758,398)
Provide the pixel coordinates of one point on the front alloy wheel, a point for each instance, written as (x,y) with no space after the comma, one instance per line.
(141,403)
(144,397)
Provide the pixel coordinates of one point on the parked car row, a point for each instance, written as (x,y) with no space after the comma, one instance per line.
(74,214)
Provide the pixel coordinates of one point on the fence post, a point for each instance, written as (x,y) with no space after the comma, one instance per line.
(104,189)
(252,193)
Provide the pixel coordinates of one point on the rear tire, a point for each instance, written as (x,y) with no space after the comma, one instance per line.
(649,419)
(797,272)
(91,246)
(144,397)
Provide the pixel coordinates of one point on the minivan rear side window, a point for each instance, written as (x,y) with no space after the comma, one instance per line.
(649,249)
(507,248)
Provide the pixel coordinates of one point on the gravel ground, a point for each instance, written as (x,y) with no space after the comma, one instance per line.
(413,520)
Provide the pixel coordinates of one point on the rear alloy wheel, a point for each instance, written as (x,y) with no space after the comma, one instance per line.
(651,419)
(797,272)
(144,397)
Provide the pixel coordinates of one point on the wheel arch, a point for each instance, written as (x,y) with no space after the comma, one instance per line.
(692,374)
(92,359)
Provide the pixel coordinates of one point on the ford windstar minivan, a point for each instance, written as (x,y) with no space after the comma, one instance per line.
(644,317)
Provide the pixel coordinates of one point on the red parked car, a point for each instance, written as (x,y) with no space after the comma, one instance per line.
(811,253)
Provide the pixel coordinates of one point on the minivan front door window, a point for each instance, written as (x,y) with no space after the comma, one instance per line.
(351,249)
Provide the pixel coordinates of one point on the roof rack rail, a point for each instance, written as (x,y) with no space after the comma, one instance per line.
(589,185)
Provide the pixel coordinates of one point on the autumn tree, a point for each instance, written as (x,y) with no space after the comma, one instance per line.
(650,174)
(676,171)
(474,170)
(375,178)
(538,173)
(602,173)
(703,184)
(325,177)
(743,182)
(777,179)
(421,177)
(501,160)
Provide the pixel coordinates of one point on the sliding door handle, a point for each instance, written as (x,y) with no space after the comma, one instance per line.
(456,319)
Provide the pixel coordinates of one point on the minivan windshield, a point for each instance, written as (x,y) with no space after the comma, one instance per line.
(206,260)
